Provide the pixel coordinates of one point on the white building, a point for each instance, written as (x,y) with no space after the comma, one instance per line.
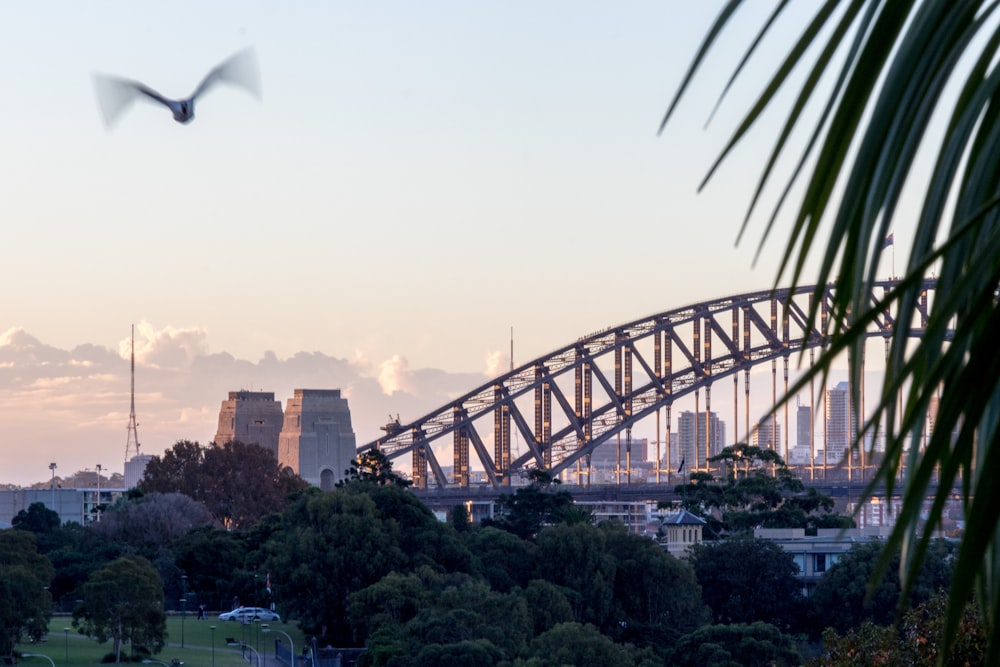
(72,505)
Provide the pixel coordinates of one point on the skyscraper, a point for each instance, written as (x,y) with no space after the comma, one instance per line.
(838,422)
(765,439)
(804,427)
(691,440)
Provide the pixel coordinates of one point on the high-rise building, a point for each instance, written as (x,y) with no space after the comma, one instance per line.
(764,438)
(804,427)
(838,422)
(691,438)
(317,440)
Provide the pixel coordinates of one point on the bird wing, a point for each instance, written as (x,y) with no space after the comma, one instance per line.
(115,95)
(239,70)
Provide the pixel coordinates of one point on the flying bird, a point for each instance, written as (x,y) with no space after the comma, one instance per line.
(115,94)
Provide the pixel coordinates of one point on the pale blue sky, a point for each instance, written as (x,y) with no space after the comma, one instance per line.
(419,178)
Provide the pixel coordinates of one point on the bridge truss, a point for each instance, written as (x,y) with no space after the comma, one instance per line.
(564,405)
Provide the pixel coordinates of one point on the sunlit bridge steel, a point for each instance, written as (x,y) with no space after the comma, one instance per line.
(561,406)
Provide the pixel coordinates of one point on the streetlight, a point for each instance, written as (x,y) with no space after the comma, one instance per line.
(257,625)
(52,467)
(66,631)
(39,655)
(183,601)
(291,644)
(212,628)
(243,645)
(98,508)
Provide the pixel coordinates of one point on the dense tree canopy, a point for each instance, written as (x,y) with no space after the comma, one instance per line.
(736,645)
(847,596)
(914,641)
(745,580)
(238,483)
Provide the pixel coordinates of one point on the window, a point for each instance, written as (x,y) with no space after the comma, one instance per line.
(819,563)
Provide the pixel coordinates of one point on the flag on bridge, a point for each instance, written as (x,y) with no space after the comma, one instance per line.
(680,468)
(888,240)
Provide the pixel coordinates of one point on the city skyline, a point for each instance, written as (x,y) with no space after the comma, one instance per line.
(416,182)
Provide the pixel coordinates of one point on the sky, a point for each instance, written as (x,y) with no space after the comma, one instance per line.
(418,181)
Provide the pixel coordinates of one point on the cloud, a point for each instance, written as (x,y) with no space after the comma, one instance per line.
(497,363)
(72,406)
(168,347)
(394,375)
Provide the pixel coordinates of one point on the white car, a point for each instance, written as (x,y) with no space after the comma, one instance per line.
(247,614)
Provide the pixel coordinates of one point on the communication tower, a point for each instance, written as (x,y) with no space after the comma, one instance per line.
(132,441)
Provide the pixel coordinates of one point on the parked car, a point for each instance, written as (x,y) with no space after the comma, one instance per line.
(247,614)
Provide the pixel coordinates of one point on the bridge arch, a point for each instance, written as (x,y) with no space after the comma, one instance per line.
(562,406)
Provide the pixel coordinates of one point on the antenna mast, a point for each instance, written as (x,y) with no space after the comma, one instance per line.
(132,442)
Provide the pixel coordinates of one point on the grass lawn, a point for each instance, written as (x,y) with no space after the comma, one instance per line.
(70,648)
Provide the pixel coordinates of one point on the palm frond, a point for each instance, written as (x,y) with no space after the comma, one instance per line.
(895,69)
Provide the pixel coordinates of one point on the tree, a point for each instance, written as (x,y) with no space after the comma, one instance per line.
(578,644)
(330,545)
(846,596)
(501,557)
(123,602)
(914,641)
(737,645)
(758,489)
(893,68)
(576,558)
(430,613)
(238,483)
(375,467)
(36,519)
(535,506)
(152,522)
(744,580)
(214,561)
(25,603)
(658,596)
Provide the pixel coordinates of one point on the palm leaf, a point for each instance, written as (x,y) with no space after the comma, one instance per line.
(893,66)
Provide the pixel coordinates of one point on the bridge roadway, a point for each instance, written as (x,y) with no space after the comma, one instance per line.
(841,490)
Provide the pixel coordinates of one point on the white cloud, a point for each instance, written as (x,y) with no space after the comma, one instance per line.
(394,375)
(169,347)
(497,363)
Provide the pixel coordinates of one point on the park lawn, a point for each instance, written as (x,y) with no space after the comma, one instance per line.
(67,647)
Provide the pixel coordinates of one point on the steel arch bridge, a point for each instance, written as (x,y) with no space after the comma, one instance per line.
(564,405)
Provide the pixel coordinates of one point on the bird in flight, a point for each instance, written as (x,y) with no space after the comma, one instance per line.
(115,94)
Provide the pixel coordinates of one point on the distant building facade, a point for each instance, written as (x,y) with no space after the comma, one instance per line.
(692,436)
(767,435)
(317,440)
(135,469)
(72,505)
(250,417)
(838,422)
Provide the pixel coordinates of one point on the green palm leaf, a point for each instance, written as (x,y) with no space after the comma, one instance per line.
(897,69)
